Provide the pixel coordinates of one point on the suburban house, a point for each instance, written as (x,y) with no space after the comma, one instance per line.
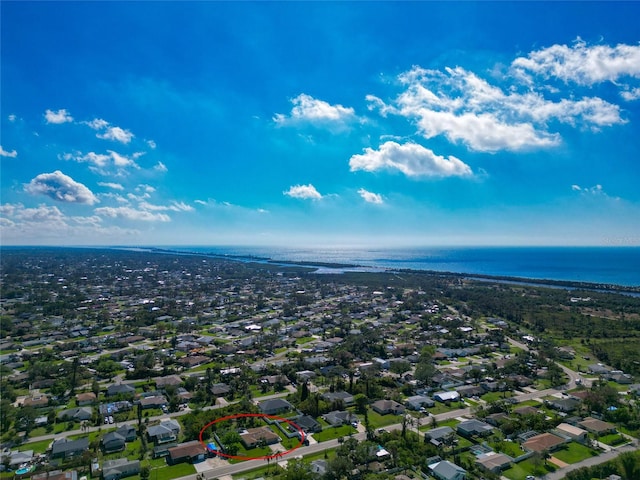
(447,397)
(113,442)
(85,398)
(128,432)
(337,418)
(542,442)
(445,470)
(473,428)
(596,426)
(64,448)
(79,414)
(384,407)
(345,397)
(253,436)
(563,404)
(168,381)
(191,452)
(166,432)
(120,468)
(157,401)
(307,423)
(120,389)
(419,401)
(220,389)
(574,433)
(274,406)
(56,475)
(494,462)
(36,401)
(437,435)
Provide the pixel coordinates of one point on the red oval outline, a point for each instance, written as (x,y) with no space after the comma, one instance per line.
(261,415)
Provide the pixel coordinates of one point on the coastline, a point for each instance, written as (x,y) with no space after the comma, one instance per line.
(335,268)
(339,268)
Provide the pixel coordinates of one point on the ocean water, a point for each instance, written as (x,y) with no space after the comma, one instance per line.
(601,265)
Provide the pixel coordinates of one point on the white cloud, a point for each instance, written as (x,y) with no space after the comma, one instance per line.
(467,109)
(45,224)
(304,192)
(117,134)
(411,159)
(631,94)
(174,206)
(145,188)
(60,187)
(152,144)
(97,124)
(582,64)
(370,197)
(160,167)
(114,186)
(130,213)
(12,118)
(123,161)
(5,153)
(595,190)
(309,110)
(61,116)
(101,162)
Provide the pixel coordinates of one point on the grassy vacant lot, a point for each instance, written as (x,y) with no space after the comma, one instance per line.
(613,439)
(574,452)
(443,408)
(446,423)
(37,447)
(268,471)
(509,448)
(376,420)
(168,472)
(333,432)
(520,470)
(495,396)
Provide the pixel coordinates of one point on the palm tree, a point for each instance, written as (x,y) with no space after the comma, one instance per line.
(630,466)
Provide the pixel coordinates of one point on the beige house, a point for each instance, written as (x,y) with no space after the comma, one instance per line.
(574,433)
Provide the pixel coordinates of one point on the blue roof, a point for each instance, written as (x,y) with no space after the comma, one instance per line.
(212,446)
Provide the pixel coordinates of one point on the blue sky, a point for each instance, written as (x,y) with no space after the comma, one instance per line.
(307,124)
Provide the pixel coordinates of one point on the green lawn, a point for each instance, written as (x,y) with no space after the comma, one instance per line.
(320,455)
(254,452)
(574,452)
(509,448)
(169,472)
(446,423)
(495,396)
(520,470)
(444,408)
(333,432)
(613,439)
(37,447)
(268,471)
(376,420)
(57,428)
(303,340)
